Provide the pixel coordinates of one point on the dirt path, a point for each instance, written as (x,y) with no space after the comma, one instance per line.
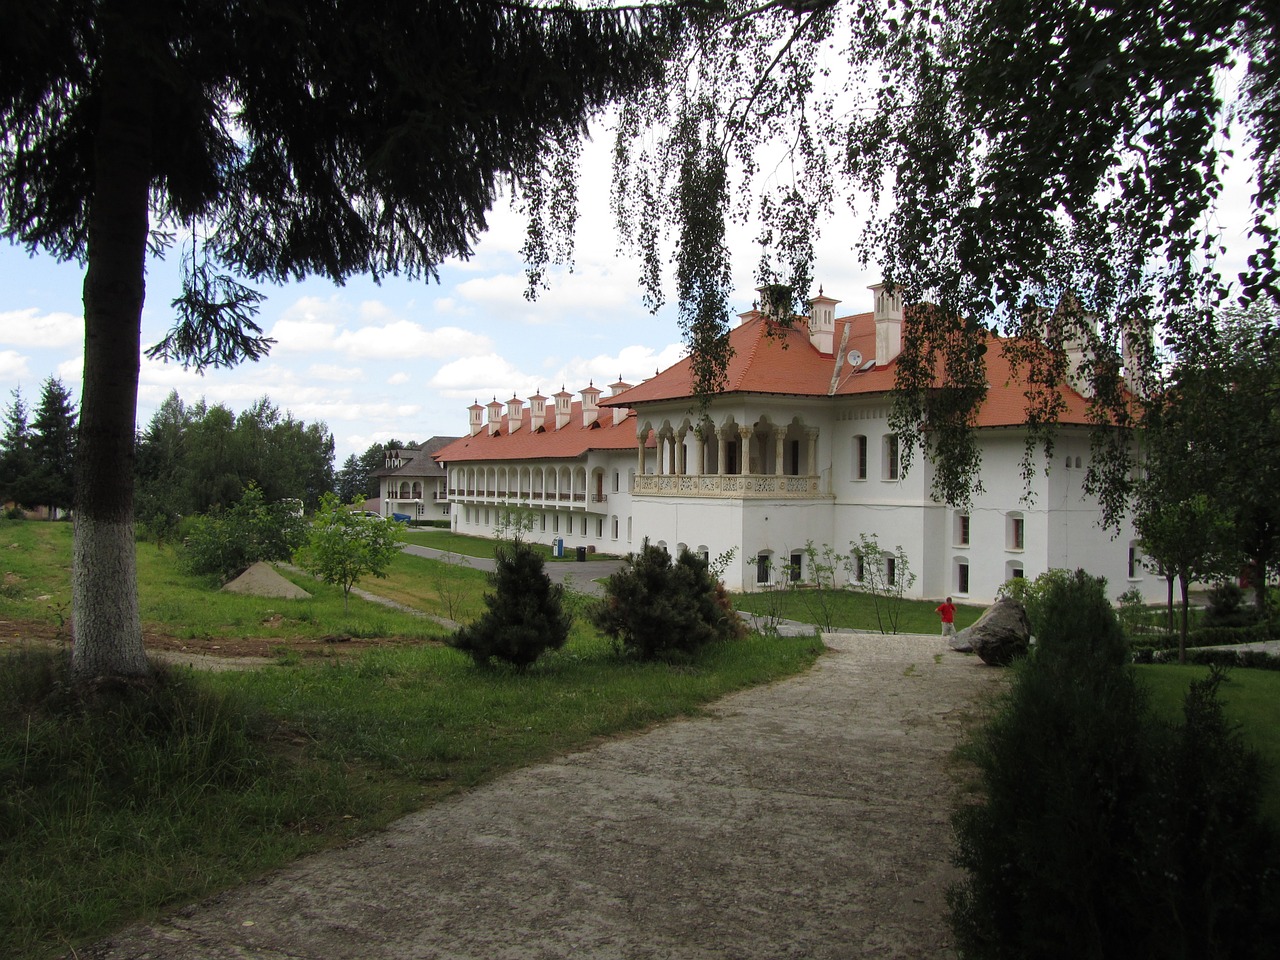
(805,819)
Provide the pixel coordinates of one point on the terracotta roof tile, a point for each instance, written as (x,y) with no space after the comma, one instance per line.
(782,361)
(572,441)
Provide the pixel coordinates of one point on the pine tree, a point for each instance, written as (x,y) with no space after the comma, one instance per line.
(15,453)
(294,139)
(525,613)
(53,448)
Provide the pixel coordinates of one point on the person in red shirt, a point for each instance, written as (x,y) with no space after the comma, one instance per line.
(947,611)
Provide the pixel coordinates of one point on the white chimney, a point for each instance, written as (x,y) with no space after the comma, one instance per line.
(495,416)
(822,322)
(590,399)
(564,401)
(887,311)
(477,418)
(515,413)
(619,413)
(537,411)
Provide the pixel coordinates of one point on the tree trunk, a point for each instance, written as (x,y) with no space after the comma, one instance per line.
(1182,635)
(104,582)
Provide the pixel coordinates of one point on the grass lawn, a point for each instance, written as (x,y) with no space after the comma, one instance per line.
(1251,699)
(849,608)
(120,806)
(475,546)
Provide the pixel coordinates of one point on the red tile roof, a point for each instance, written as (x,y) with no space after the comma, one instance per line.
(571,442)
(782,361)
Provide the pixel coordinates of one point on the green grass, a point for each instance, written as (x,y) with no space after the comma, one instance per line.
(1251,699)
(849,608)
(474,546)
(118,806)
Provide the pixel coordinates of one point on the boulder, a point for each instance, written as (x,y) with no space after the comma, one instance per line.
(999,636)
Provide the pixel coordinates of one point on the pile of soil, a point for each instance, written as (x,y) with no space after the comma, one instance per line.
(262,580)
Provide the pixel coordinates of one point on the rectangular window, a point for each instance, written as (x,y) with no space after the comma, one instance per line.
(582,527)
(616,481)
(615,528)
(762,568)
(891,570)
(1016,573)
(860,457)
(1017,533)
(891,457)
(797,567)
(962,530)
(486,516)
(962,578)
(600,528)
(555,523)
(544,522)
(859,569)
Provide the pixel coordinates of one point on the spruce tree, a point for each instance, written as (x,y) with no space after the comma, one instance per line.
(53,448)
(524,614)
(15,453)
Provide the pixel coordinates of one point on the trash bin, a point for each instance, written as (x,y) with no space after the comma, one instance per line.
(582,554)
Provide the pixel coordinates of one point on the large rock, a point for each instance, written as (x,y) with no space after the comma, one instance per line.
(1000,635)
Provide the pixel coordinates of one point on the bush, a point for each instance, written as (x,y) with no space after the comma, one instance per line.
(525,615)
(655,608)
(1226,607)
(224,544)
(1103,832)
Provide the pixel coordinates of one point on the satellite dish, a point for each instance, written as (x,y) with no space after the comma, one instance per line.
(854,358)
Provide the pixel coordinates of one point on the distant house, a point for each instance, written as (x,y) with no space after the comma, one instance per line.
(796,448)
(411,483)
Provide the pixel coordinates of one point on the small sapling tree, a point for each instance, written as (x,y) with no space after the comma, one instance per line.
(344,546)
(885,575)
(525,615)
(823,565)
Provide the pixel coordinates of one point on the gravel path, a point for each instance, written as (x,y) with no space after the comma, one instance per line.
(806,819)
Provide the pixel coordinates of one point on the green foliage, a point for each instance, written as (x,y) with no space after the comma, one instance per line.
(344,545)
(525,616)
(1226,607)
(885,575)
(822,566)
(1101,831)
(16,465)
(654,608)
(1075,619)
(224,543)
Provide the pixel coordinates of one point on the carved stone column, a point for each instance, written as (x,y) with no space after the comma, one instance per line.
(723,448)
(812,433)
(779,450)
(682,454)
(744,443)
(700,453)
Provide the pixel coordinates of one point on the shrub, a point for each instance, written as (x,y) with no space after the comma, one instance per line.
(1226,607)
(655,608)
(525,615)
(1103,832)
(225,543)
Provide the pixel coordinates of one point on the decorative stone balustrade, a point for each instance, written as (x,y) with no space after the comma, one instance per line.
(730,485)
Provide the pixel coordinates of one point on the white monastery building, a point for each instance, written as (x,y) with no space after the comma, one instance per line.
(795,448)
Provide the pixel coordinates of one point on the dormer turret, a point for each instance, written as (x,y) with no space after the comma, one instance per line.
(619,413)
(822,322)
(537,411)
(590,401)
(887,311)
(495,416)
(477,417)
(515,413)
(564,405)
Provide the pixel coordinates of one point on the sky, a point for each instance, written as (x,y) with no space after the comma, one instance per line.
(405,359)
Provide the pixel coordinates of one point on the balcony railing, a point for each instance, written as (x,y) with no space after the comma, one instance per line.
(746,486)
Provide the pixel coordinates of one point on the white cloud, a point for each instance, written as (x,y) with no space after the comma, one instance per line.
(31,328)
(483,378)
(334,372)
(13,366)
(404,338)
(396,379)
